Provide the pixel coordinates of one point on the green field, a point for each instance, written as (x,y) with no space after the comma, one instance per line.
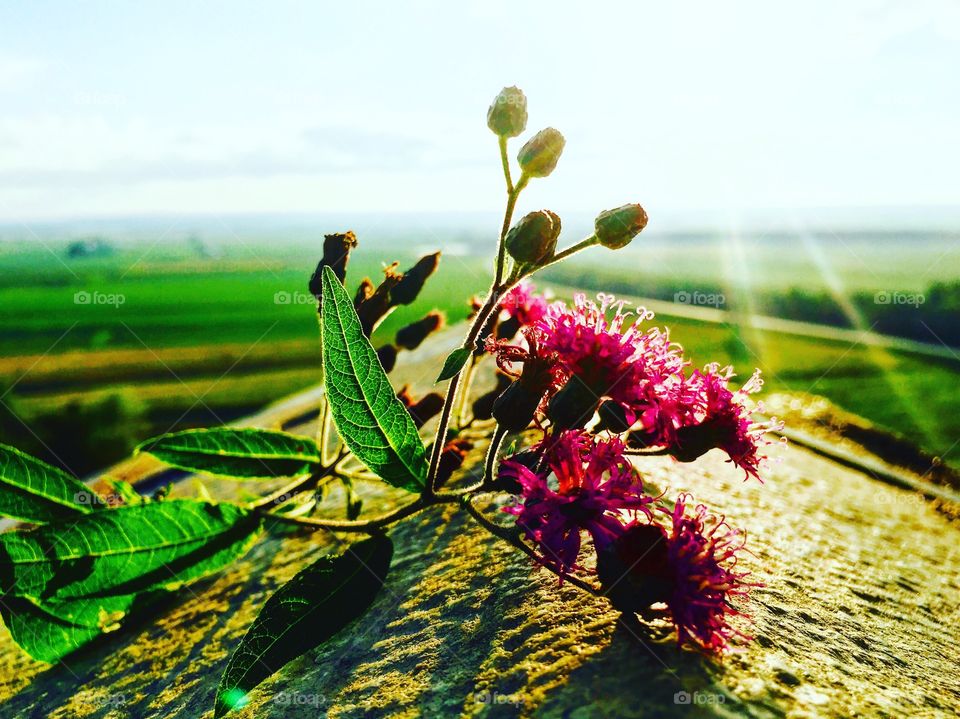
(201,337)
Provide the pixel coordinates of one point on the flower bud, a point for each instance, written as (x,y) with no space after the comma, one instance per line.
(538,157)
(573,406)
(507,116)
(616,228)
(514,409)
(534,238)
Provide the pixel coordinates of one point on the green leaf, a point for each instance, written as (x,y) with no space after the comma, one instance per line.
(49,631)
(236,453)
(127,550)
(373,423)
(33,491)
(305,612)
(454,363)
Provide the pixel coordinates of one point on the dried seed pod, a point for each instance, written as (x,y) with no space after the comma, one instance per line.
(336,255)
(411,336)
(452,458)
(412,281)
(388,357)
(426,409)
(374,308)
(364,292)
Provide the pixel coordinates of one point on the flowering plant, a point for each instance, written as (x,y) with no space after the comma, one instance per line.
(586,389)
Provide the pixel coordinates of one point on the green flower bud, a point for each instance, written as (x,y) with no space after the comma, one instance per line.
(534,238)
(616,228)
(507,116)
(539,156)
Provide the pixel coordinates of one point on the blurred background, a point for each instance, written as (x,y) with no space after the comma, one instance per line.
(168,170)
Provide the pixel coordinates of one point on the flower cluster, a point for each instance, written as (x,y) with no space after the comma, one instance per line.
(600,384)
(635,380)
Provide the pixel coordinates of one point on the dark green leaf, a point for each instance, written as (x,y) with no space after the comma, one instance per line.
(373,423)
(238,453)
(305,612)
(127,550)
(33,491)
(454,363)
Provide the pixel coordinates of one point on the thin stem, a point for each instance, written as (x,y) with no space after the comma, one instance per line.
(465,392)
(511,536)
(505,161)
(369,526)
(323,432)
(572,250)
(493,301)
(301,484)
(507,219)
(492,452)
(647,452)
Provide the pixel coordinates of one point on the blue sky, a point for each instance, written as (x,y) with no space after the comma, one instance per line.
(156,108)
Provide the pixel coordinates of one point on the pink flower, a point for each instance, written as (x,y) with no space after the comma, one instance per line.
(723,418)
(689,565)
(523,305)
(640,369)
(595,488)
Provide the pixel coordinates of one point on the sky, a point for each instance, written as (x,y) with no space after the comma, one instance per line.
(158,108)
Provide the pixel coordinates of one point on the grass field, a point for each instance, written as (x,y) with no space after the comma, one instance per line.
(194,336)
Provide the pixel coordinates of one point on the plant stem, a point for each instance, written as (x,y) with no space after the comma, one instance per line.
(323,431)
(465,392)
(511,536)
(647,452)
(572,250)
(493,301)
(369,526)
(505,161)
(301,484)
(492,451)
